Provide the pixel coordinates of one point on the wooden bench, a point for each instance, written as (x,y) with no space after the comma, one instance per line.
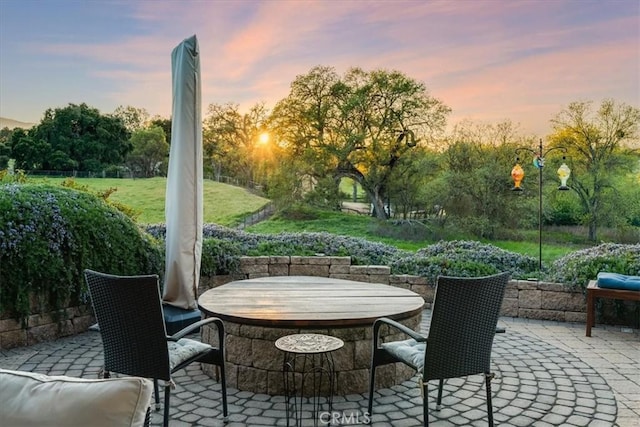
(593,292)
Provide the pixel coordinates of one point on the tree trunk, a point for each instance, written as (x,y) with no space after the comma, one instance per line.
(373,191)
(375,197)
(592,231)
(378,204)
(593,223)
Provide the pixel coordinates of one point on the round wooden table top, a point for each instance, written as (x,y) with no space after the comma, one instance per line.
(308,302)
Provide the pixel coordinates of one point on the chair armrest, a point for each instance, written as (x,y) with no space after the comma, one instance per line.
(500,330)
(399,326)
(192,327)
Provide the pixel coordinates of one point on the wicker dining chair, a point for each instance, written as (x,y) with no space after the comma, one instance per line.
(129,314)
(462,327)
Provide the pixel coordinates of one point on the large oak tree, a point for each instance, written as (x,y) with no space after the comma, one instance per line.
(359,125)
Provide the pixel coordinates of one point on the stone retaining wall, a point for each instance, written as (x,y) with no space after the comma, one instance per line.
(44,325)
(527,299)
(523,298)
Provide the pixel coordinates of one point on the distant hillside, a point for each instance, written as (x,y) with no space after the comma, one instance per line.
(10,123)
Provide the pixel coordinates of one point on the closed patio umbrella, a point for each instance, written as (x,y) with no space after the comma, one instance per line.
(183,203)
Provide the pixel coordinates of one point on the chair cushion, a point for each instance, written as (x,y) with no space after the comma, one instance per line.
(31,399)
(184,349)
(410,351)
(618,281)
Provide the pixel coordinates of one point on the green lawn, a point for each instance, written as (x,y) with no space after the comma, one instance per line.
(369,228)
(550,251)
(223,204)
(228,205)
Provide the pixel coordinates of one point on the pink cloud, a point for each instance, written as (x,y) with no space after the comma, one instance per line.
(488,60)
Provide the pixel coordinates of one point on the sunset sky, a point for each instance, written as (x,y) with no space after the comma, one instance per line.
(489,60)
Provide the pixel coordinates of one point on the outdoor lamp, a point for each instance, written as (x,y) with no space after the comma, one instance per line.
(517,173)
(538,162)
(563,173)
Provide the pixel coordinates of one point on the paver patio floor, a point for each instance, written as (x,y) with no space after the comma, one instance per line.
(547,374)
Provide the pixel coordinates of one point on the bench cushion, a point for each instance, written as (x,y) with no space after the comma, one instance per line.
(618,281)
(31,399)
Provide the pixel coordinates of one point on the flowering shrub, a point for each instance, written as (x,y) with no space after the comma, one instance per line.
(104,195)
(219,257)
(577,268)
(466,259)
(361,251)
(458,258)
(50,234)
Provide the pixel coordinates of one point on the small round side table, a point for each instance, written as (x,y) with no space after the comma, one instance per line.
(308,371)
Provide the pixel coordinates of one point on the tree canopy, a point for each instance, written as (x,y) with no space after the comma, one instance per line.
(359,125)
(231,141)
(133,118)
(596,143)
(384,131)
(76,137)
(150,150)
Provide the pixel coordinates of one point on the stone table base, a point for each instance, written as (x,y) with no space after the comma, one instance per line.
(254,364)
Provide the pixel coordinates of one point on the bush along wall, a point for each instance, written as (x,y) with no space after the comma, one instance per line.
(453,258)
(50,234)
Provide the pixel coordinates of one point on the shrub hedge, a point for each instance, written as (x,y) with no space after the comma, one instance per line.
(464,258)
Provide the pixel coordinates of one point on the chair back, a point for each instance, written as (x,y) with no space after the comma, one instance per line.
(463,323)
(129,314)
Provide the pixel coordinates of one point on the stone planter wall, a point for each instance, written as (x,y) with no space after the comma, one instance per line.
(523,298)
(526,299)
(44,325)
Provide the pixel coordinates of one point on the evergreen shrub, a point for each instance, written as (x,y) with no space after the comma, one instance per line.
(219,257)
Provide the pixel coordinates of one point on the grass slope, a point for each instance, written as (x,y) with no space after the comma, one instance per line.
(368,228)
(227,205)
(223,204)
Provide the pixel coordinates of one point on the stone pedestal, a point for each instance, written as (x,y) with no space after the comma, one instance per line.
(253,363)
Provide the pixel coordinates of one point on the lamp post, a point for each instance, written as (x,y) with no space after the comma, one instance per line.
(517,174)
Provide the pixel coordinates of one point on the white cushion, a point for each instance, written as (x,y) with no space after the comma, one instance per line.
(31,399)
(410,351)
(185,349)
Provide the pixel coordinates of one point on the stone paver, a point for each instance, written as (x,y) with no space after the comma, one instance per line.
(547,374)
